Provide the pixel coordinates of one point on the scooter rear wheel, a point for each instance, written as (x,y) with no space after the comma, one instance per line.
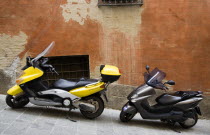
(17,101)
(191,121)
(125,117)
(98,103)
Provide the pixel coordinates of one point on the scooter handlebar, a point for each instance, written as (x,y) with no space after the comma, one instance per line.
(53,70)
(48,66)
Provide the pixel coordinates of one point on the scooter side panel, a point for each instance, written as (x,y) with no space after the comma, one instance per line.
(14,90)
(188,104)
(141,91)
(148,115)
(87,90)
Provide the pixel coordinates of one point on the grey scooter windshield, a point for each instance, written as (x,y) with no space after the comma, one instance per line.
(155,78)
(45,52)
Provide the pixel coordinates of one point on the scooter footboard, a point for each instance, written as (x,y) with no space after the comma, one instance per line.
(170,115)
(14,90)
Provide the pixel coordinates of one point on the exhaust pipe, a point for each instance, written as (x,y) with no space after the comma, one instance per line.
(87,107)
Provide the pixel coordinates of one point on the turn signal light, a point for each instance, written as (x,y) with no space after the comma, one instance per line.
(102,86)
(19,80)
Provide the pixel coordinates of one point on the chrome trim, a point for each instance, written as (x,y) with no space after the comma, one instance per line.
(59,92)
(87,107)
(91,84)
(43,102)
(78,104)
(199,95)
(188,101)
(140,98)
(144,89)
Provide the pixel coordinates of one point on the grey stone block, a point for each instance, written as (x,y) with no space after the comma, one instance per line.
(17,127)
(47,123)
(40,124)
(35,131)
(60,130)
(3,126)
(205,107)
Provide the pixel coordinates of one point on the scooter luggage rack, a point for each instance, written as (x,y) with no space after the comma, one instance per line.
(91,84)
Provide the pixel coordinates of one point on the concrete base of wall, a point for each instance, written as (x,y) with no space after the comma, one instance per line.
(117,96)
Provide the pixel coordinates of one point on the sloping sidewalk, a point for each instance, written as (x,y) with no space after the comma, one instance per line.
(35,120)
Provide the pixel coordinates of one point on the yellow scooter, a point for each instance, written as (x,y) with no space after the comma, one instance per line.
(84,94)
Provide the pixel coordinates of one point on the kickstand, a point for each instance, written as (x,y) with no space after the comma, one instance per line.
(173,128)
(68,117)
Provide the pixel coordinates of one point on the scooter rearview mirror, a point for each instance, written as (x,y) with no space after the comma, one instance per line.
(147,68)
(170,82)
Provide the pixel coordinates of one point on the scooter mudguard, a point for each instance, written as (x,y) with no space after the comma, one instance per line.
(197,109)
(129,108)
(14,90)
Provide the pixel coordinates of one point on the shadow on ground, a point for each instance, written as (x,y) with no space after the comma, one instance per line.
(63,113)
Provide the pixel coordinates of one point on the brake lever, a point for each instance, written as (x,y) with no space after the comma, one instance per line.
(55,71)
(165,88)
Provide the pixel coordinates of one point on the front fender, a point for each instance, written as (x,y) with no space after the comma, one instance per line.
(14,90)
(128,108)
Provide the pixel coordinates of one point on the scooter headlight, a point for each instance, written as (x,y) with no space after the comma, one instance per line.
(20,80)
(125,108)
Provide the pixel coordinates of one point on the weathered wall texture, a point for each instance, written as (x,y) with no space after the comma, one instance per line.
(175,36)
(172,35)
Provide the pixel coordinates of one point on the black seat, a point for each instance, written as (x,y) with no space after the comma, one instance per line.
(68,85)
(188,94)
(166,99)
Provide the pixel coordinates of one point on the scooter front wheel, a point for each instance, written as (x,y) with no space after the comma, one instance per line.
(16,101)
(125,117)
(99,107)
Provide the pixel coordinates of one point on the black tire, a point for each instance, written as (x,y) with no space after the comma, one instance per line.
(17,101)
(125,117)
(99,110)
(186,125)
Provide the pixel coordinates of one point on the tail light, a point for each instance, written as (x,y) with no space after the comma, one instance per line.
(19,81)
(102,86)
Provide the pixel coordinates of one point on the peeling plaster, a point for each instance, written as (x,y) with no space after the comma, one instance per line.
(127,21)
(10,47)
(9,75)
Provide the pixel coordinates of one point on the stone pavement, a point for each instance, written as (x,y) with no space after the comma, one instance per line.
(34,120)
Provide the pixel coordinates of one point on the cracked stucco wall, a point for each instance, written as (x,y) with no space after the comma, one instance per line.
(120,29)
(10,47)
(126,19)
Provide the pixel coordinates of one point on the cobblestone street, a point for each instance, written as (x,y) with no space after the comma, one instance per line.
(34,120)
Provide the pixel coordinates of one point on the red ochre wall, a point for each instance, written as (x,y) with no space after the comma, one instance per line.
(171,35)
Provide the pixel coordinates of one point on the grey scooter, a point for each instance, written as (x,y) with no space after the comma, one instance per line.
(181,107)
